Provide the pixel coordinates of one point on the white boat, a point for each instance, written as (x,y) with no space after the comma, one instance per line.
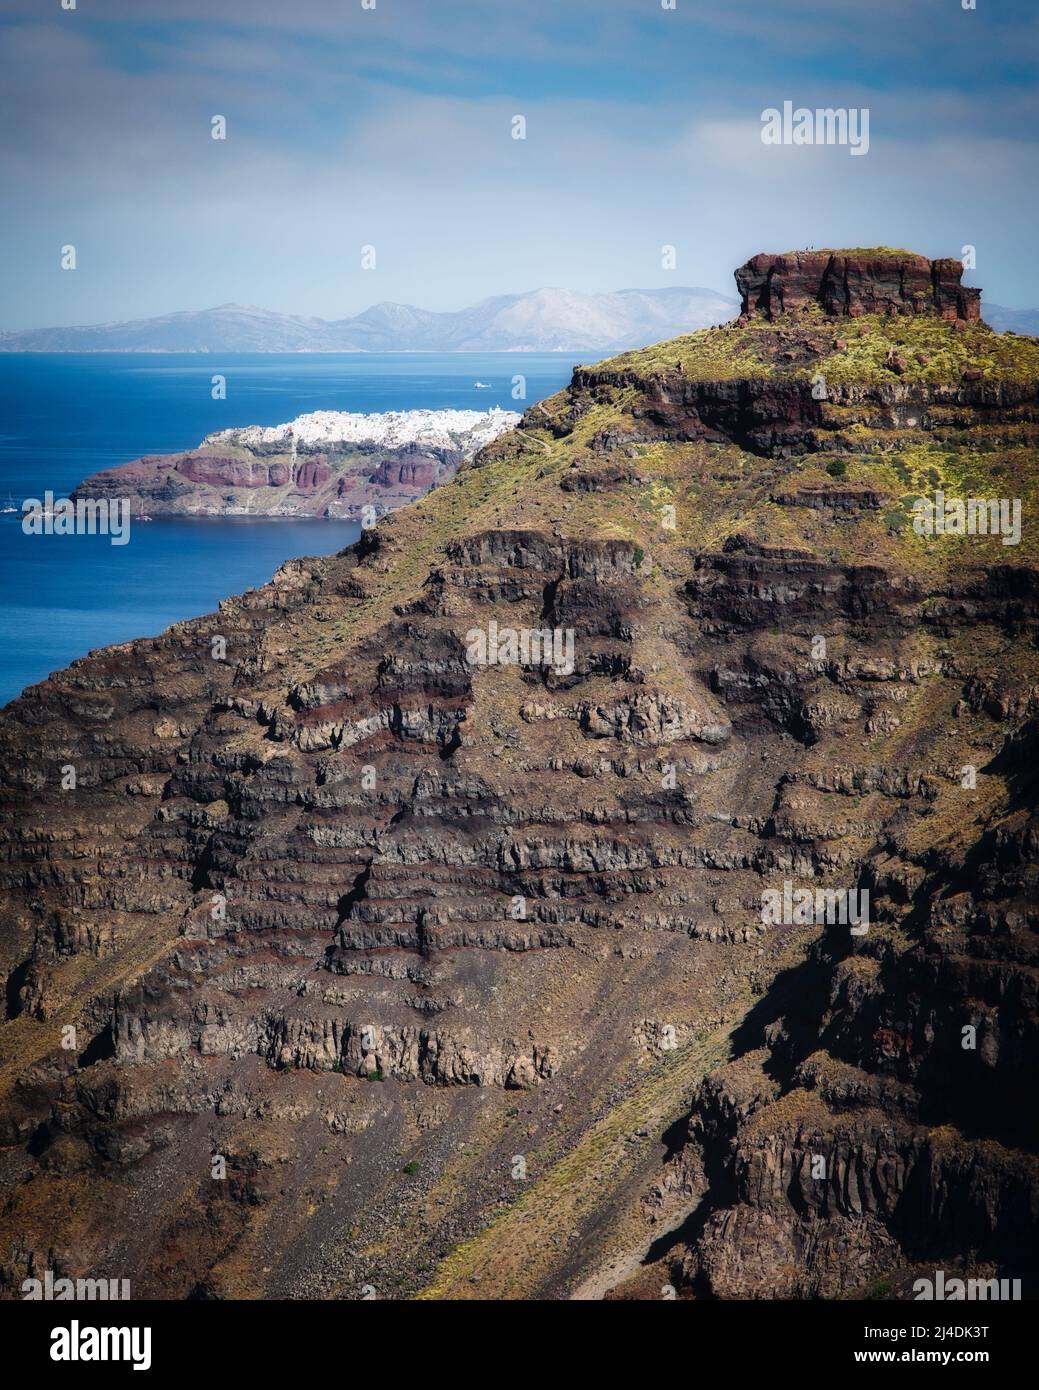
(482,385)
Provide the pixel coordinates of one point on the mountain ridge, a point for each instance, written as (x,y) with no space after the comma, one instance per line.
(461,965)
(544,319)
(550,318)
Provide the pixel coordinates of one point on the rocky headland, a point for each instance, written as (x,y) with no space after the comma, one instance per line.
(461,969)
(324,464)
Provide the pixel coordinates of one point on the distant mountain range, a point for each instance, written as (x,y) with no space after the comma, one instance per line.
(547,320)
(1011,320)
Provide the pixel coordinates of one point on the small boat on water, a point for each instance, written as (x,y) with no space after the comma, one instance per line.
(482,385)
(10,507)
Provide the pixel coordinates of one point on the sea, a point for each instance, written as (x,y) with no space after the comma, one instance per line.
(66,415)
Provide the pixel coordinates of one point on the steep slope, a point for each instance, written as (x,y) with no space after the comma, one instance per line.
(462,968)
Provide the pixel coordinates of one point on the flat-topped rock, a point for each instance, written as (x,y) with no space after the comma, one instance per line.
(850,283)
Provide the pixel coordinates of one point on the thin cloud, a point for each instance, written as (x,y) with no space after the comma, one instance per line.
(392,127)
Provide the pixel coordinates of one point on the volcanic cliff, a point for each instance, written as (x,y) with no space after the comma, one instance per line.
(325,464)
(340,962)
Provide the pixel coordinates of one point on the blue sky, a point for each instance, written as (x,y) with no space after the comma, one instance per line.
(391,127)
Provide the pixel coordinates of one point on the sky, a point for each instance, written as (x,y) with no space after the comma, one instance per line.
(392,127)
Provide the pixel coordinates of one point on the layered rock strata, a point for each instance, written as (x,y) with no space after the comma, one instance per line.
(460,964)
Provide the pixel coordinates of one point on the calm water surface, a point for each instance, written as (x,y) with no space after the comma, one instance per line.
(66,415)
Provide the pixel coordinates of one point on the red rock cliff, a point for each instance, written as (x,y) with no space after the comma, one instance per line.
(854,283)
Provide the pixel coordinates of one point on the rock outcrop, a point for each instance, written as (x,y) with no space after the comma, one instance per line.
(851,283)
(441,880)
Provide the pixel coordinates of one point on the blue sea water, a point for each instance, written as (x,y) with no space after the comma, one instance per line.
(66,415)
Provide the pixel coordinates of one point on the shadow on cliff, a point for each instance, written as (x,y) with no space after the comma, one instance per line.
(13,989)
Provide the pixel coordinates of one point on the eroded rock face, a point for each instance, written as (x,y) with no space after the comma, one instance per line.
(854,283)
(401,934)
